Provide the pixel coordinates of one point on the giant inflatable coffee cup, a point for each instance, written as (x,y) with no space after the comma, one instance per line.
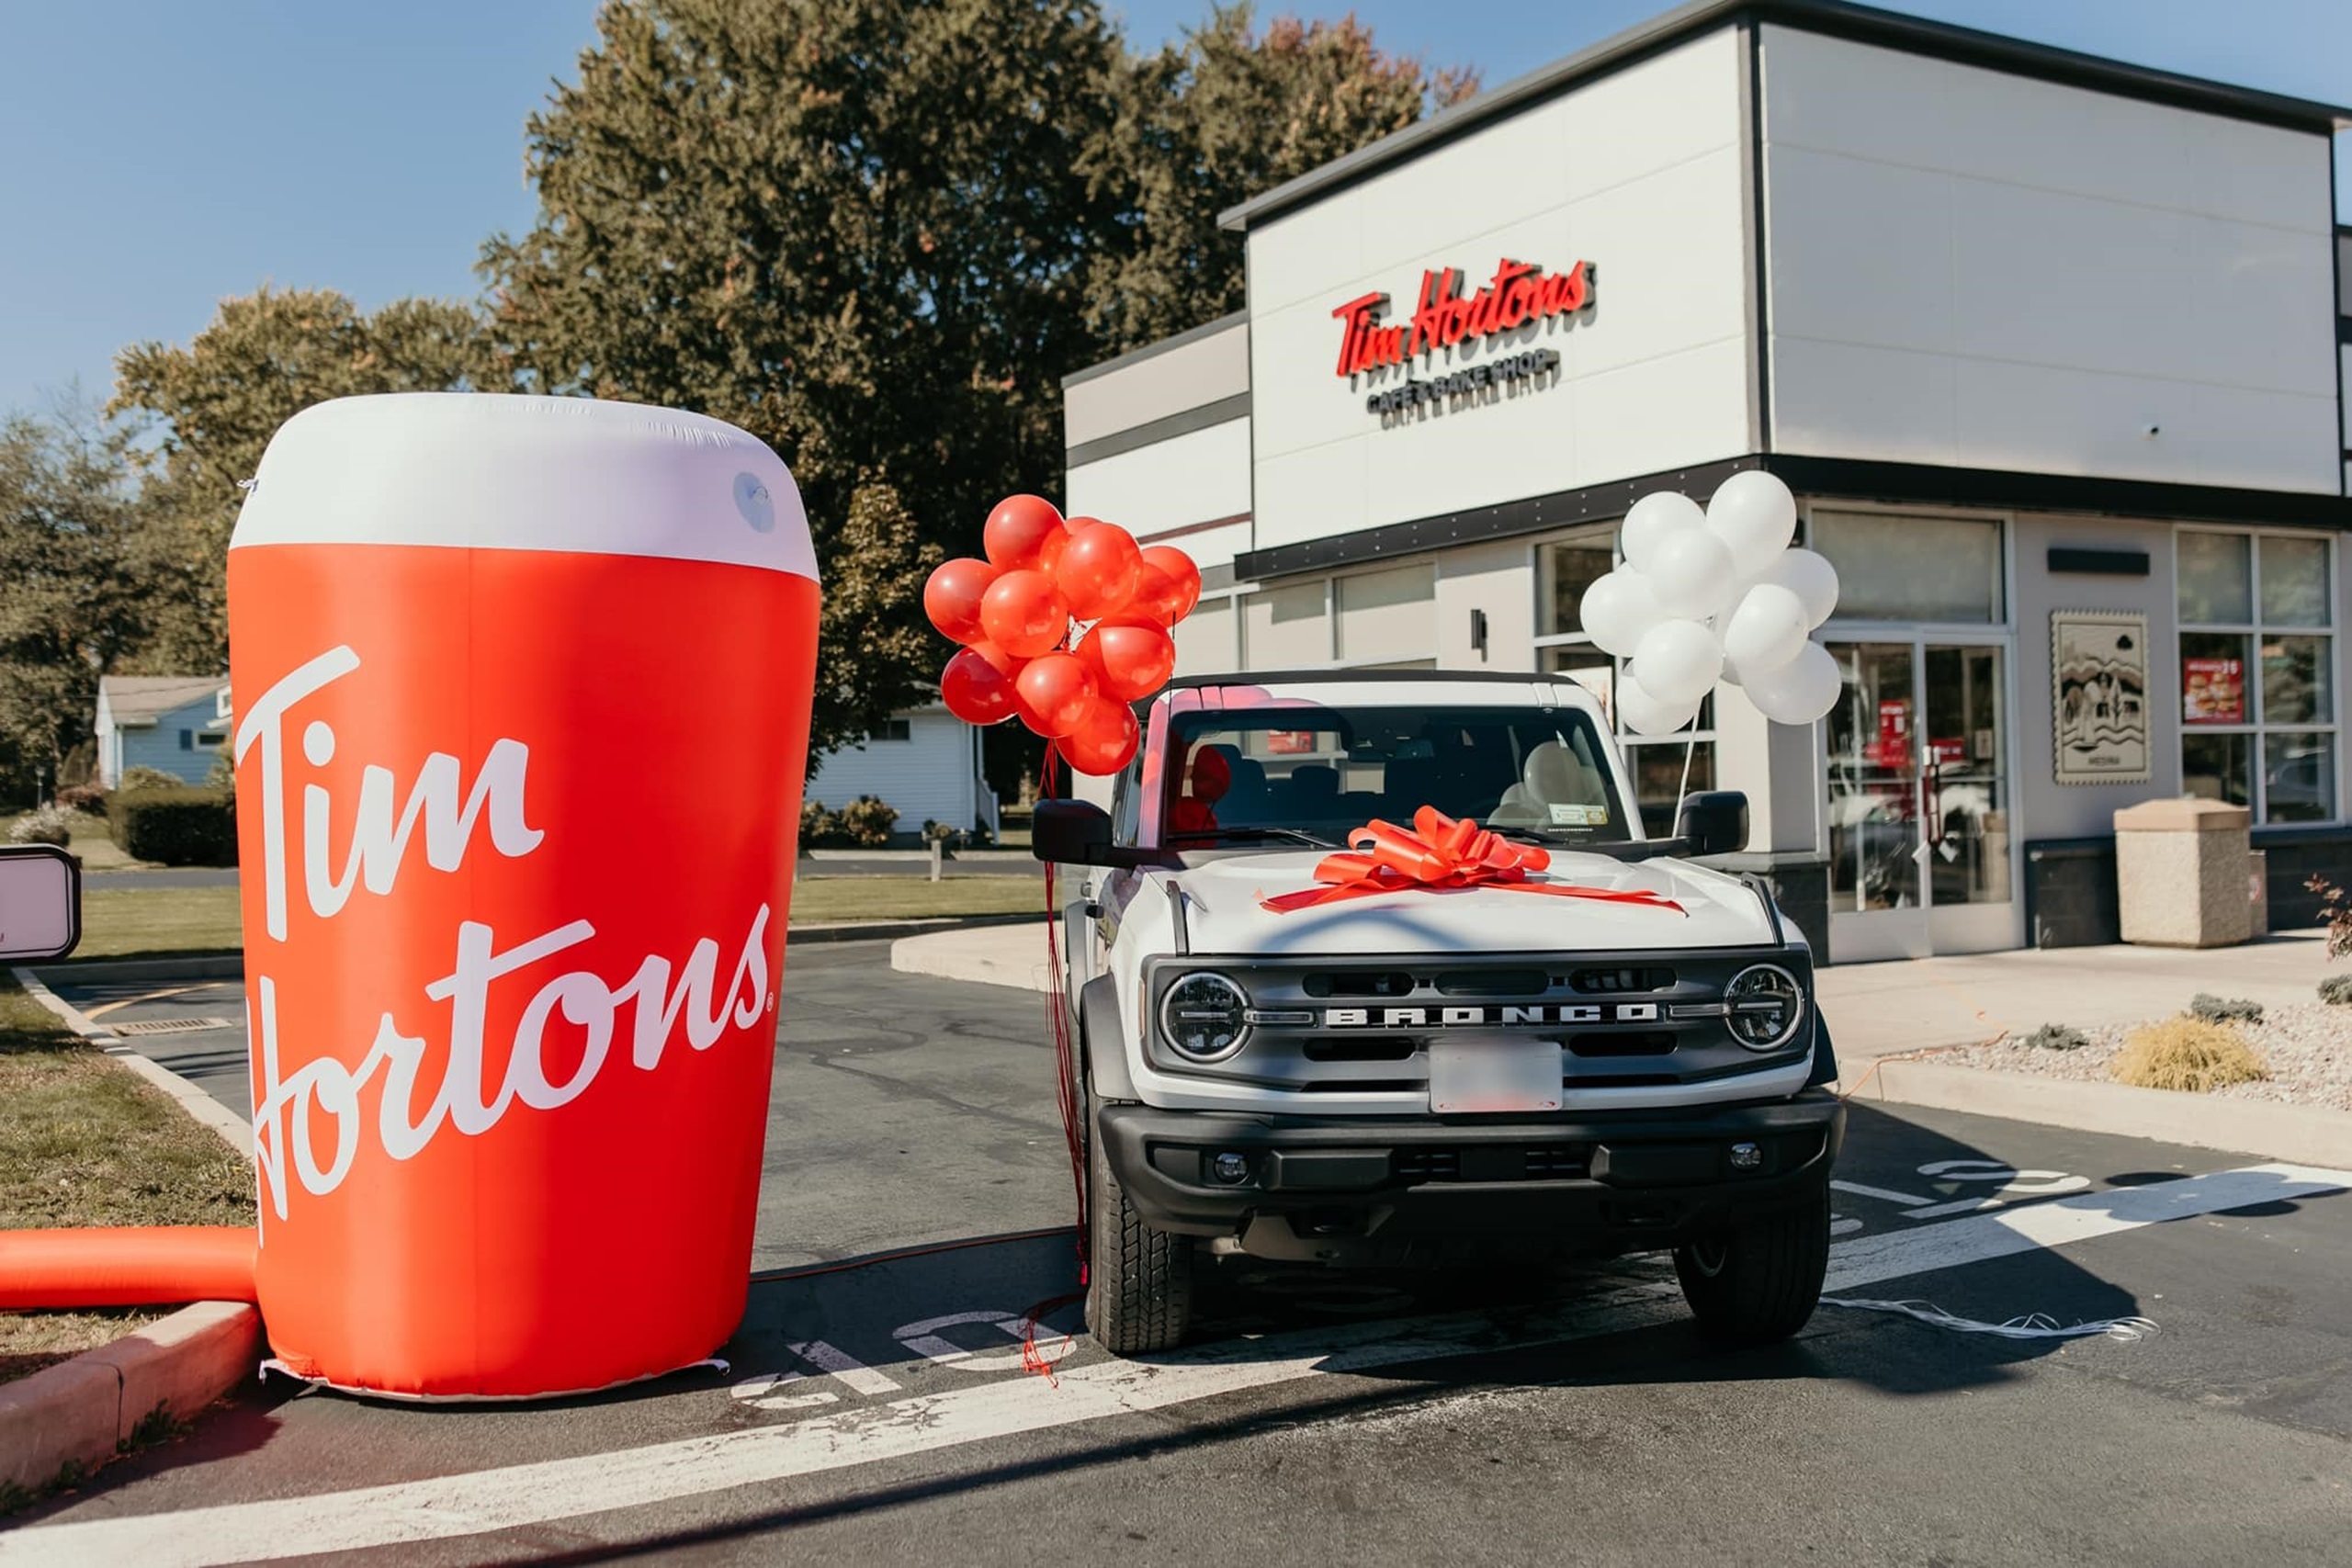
(522,693)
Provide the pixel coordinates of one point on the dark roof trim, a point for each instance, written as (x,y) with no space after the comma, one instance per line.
(1861,23)
(1167,427)
(1153,350)
(1842,479)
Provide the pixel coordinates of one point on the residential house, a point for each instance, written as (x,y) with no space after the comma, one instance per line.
(174,723)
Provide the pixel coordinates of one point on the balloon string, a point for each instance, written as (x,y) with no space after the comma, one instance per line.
(1067,1092)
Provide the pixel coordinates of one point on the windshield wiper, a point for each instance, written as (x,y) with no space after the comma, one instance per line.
(1296,835)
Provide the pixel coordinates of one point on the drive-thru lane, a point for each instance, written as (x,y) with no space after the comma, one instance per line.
(881,1410)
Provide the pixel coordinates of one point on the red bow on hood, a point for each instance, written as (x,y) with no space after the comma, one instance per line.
(1439,854)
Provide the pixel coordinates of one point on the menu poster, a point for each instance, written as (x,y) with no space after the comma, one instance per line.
(2099,677)
(2212,691)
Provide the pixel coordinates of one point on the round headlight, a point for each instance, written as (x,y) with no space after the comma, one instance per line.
(1202,1016)
(1767,1006)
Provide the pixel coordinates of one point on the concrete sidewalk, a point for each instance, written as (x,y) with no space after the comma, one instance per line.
(1874,1009)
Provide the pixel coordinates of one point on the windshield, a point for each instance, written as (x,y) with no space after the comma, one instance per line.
(1305,774)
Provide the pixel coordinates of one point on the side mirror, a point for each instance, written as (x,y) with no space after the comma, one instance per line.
(40,902)
(1713,821)
(1077,832)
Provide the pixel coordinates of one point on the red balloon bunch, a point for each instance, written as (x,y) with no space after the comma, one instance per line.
(1028,652)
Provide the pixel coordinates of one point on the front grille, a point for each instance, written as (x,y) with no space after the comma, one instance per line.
(1358,983)
(1361,1048)
(1512,983)
(1613,982)
(1622,1042)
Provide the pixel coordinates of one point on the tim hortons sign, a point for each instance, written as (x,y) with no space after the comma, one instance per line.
(1519,292)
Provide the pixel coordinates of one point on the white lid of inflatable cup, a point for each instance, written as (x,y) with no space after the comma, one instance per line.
(482,471)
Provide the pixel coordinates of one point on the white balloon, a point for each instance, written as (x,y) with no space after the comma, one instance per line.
(1766,629)
(1730,677)
(1754,514)
(1678,661)
(1693,574)
(1617,609)
(1801,691)
(1653,520)
(1646,714)
(1808,576)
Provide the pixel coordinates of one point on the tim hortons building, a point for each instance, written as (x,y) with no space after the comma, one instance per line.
(2049,347)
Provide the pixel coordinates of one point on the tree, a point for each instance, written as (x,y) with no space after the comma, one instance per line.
(852,228)
(1228,114)
(213,405)
(76,601)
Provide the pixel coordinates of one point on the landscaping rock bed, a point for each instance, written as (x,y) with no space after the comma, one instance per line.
(2308,1048)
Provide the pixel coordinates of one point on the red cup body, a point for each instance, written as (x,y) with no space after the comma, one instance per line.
(516,833)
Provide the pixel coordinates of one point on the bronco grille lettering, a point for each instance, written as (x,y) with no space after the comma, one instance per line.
(1474,1017)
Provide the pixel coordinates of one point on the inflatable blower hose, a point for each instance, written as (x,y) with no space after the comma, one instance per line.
(130,1265)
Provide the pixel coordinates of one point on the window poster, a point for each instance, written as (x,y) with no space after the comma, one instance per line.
(2099,676)
(2212,691)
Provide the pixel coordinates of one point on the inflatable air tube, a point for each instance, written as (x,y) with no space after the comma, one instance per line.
(134,1266)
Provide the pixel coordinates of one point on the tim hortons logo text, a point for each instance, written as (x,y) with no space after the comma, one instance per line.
(1488,1017)
(381,828)
(1519,292)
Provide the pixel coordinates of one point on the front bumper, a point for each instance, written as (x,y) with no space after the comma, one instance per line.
(1359,1189)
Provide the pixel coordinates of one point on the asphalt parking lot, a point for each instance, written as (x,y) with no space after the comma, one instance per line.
(878,1408)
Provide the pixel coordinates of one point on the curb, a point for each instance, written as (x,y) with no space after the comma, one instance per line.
(947,960)
(103,970)
(76,1416)
(233,1128)
(893,931)
(2306,1134)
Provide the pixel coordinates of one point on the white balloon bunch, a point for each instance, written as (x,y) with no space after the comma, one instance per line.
(1717,595)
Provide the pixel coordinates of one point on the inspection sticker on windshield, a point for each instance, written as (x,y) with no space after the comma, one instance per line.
(1580,816)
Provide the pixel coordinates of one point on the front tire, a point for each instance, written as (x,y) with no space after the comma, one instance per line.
(1139,1280)
(1758,1283)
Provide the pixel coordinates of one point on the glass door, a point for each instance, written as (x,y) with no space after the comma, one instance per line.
(1877,905)
(1918,807)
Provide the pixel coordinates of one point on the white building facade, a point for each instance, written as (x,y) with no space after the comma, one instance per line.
(2049,347)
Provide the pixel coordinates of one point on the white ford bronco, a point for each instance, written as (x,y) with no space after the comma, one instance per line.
(1423,1075)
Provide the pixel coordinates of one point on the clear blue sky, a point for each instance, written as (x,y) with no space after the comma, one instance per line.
(164,153)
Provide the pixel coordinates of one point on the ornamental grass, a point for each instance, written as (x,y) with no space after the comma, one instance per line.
(2186,1053)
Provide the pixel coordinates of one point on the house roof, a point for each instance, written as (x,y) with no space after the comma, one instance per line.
(1864,24)
(144,699)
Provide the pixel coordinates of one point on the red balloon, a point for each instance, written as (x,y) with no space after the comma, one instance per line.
(951,597)
(1024,613)
(1058,689)
(1179,570)
(1024,533)
(1098,570)
(1130,660)
(1104,738)
(1075,524)
(1159,598)
(977,684)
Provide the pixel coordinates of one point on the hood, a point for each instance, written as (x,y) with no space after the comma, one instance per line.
(1224,914)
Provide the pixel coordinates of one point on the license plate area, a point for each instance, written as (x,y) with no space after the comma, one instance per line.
(1484,1074)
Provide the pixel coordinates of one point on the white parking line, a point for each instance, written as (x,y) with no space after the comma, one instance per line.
(517,1495)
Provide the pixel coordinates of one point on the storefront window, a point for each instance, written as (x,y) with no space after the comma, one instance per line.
(1893,567)
(1566,568)
(2257,698)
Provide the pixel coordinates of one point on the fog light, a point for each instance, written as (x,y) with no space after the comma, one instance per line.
(1746,1157)
(1231,1167)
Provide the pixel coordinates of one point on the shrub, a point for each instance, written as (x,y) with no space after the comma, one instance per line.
(88,799)
(177,826)
(2335,909)
(2337,990)
(2186,1053)
(2224,1009)
(144,777)
(868,823)
(2058,1037)
(819,828)
(42,825)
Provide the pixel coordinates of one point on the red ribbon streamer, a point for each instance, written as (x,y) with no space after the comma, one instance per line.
(1439,854)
